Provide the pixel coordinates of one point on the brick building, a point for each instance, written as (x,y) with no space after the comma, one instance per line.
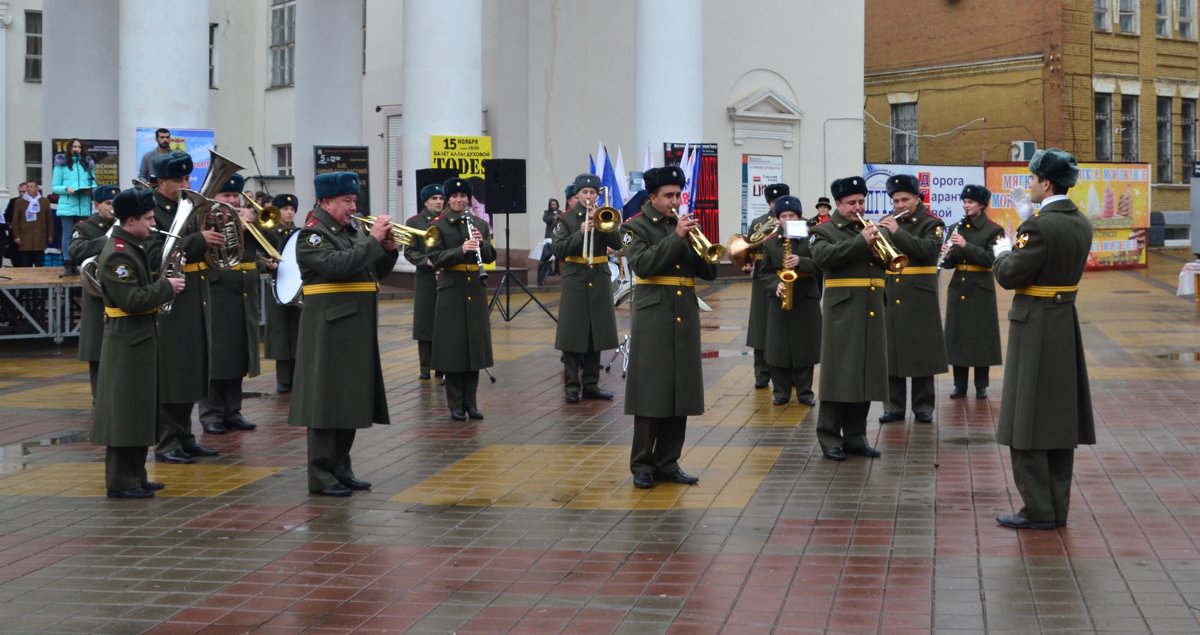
(1109,80)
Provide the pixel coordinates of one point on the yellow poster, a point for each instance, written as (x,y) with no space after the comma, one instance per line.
(462,154)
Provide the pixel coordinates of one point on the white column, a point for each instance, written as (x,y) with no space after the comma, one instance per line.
(328,93)
(79,79)
(443,79)
(6,20)
(668,76)
(163,71)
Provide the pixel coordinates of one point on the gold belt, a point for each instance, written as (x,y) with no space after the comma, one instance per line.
(462,268)
(756,256)
(972,268)
(244,266)
(580,260)
(114,312)
(668,281)
(854,282)
(1039,291)
(914,271)
(340,287)
(193,267)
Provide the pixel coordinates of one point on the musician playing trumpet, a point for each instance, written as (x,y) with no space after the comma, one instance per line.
(587,319)
(916,349)
(793,340)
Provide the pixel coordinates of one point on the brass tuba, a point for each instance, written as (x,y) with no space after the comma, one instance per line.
(216,216)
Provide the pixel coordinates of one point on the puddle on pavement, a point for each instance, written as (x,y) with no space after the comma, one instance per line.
(1190,356)
(15,457)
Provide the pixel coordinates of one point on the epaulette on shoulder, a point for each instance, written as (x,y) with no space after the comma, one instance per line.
(633,217)
(80,222)
(118,244)
(930,212)
(312,222)
(437,218)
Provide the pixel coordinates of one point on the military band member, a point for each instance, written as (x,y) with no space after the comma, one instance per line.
(462,334)
(87,240)
(972,328)
(756,328)
(183,357)
(283,321)
(587,319)
(339,379)
(916,348)
(425,279)
(233,305)
(665,383)
(1046,408)
(854,341)
(793,344)
(126,409)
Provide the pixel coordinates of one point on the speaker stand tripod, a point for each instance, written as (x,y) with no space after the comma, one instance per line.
(508,280)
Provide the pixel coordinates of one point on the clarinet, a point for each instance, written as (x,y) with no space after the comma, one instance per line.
(946,246)
(478,250)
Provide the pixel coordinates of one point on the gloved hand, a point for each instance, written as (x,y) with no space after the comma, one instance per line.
(1003,245)
(1021,203)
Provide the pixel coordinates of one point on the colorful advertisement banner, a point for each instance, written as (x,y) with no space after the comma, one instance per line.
(464,155)
(103,152)
(1114,196)
(197,142)
(327,159)
(706,207)
(941,186)
(758,171)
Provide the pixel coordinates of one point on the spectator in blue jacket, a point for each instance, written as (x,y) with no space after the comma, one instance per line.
(73,183)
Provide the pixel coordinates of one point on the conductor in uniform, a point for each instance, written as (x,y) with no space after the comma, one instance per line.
(1046,408)
(972,328)
(587,319)
(339,378)
(854,344)
(425,279)
(916,348)
(283,321)
(126,410)
(756,328)
(87,240)
(462,334)
(665,383)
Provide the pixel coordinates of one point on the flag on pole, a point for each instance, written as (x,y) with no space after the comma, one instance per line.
(601,157)
(610,188)
(647,163)
(622,176)
(591,164)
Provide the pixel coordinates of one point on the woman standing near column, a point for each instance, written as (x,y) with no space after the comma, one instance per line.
(73,183)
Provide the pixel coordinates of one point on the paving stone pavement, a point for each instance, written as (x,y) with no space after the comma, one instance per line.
(527,522)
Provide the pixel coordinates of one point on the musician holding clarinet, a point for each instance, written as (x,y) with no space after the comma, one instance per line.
(972,328)
(462,333)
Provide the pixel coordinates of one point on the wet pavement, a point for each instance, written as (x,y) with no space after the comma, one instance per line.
(527,521)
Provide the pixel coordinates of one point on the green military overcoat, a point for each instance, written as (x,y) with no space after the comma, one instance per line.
(972,324)
(283,322)
(339,378)
(916,347)
(587,318)
(126,408)
(183,356)
(756,326)
(793,336)
(665,378)
(424,280)
(1047,403)
(854,339)
(462,334)
(233,345)
(87,240)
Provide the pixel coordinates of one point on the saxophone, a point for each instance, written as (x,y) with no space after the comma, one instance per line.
(787,276)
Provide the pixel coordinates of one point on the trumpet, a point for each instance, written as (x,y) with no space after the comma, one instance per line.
(701,245)
(404,234)
(892,259)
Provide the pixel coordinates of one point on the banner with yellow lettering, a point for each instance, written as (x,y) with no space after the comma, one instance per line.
(465,155)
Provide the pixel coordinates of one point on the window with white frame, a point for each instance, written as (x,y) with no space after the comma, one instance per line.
(33,46)
(1127,16)
(1129,127)
(1166,142)
(1187,131)
(283,159)
(904,133)
(212,55)
(1103,16)
(1103,127)
(1186,19)
(1162,18)
(283,42)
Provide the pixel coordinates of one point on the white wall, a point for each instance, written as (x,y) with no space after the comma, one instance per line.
(23,102)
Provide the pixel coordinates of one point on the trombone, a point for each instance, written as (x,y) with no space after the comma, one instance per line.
(701,245)
(264,213)
(606,219)
(268,215)
(404,234)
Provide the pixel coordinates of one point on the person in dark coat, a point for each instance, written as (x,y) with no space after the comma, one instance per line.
(587,319)
(462,334)
(184,331)
(425,278)
(665,383)
(283,320)
(233,306)
(87,240)
(916,348)
(756,327)
(1046,408)
(339,378)
(972,327)
(32,227)
(126,410)
(548,264)
(793,344)
(854,340)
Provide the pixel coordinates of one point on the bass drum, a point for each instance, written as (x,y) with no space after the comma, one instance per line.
(288,284)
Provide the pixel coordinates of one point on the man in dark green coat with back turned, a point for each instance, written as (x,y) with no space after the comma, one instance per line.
(1046,408)
(587,319)
(756,326)
(665,382)
(339,378)
(87,240)
(425,278)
